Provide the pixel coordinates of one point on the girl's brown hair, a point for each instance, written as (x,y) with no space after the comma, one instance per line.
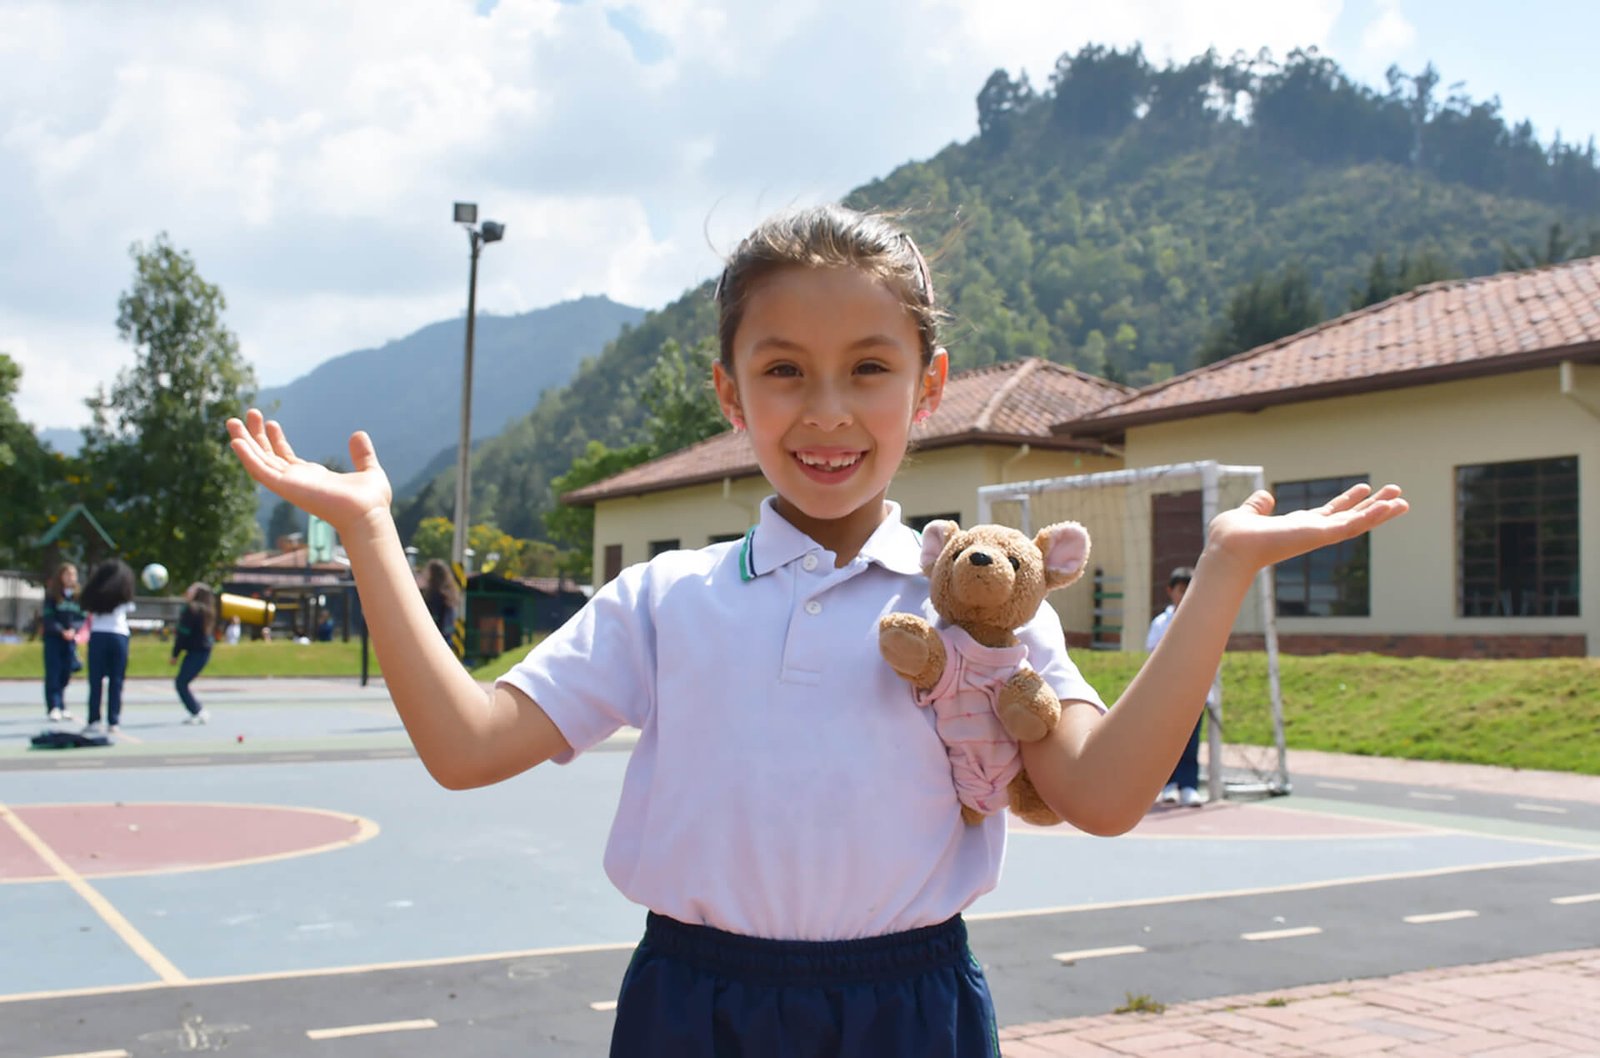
(828,237)
(53,587)
(203,601)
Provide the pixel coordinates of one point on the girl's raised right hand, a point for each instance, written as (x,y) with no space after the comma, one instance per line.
(341,500)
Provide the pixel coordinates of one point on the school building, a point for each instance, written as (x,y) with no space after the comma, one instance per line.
(1481,397)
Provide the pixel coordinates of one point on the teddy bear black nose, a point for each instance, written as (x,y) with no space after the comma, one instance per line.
(980,558)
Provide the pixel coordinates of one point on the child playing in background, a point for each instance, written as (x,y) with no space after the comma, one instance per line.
(196,632)
(788,815)
(58,628)
(108,600)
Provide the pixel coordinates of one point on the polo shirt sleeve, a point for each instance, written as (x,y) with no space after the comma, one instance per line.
(1047,655)
(596,673)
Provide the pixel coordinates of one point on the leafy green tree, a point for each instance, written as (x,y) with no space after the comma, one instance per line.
(434,538)
(1384,282)
(25,475)
(677,392)
(1262,311)
(158,439)
(1558,246)
(285,520)
(573,527)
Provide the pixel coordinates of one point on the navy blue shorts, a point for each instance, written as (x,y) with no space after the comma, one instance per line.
(699,992)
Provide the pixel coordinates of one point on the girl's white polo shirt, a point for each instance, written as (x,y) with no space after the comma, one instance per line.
(784,784)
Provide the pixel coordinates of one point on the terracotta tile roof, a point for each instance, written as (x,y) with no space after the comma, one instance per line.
(1456,329)
(1010,403)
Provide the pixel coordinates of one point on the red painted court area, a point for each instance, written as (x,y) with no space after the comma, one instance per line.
(95,840)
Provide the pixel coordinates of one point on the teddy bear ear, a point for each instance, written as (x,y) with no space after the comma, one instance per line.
(935,535)
(1065,547)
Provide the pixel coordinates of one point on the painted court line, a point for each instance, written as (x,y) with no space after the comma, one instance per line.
(371,1030)
(1524,806)
(92,1054)
(1282,934)
(1096,953)
(1439,916)
(603,1005)
(1334,785)
(99,904)
(1581,898)
(1422,795)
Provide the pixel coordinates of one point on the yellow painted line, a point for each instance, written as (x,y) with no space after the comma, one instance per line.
(1438,916)
(101,906)
(603,1005)
(366,830)
(370,1030)
(331,971)
(1282,934)
(1581,898)
(1096,953)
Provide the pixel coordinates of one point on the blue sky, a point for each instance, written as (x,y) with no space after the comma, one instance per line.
(307,154)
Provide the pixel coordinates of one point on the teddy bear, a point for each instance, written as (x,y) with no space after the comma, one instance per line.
(985,582)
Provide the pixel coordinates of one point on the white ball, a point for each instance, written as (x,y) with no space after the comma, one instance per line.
(154,576)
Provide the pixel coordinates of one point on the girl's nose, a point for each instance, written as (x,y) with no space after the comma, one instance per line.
(827,409)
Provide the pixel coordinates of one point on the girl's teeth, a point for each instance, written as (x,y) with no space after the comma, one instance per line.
(830,464)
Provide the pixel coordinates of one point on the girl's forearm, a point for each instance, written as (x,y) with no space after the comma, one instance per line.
(1110,768)
(447,714)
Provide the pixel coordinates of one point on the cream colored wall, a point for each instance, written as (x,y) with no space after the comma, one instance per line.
(1415,437)
(941,481)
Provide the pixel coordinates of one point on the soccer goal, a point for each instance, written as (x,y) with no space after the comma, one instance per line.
(1143,523)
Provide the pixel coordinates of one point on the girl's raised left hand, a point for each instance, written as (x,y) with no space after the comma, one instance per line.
(341,500)
(1250,536)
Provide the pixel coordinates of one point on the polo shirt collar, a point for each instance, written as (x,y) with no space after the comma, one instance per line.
(773,542)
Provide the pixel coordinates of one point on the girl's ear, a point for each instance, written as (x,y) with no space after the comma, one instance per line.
(727,395)
(933,379)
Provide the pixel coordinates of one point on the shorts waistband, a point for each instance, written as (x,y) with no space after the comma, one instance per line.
(892,956)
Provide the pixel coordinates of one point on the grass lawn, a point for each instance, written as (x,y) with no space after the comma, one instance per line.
(1524,714)
(148,657)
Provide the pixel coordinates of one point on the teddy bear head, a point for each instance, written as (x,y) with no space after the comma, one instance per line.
(994,577)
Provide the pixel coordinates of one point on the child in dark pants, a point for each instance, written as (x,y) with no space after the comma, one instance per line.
(193,641)
(59,630)
(788,815)
(108,600)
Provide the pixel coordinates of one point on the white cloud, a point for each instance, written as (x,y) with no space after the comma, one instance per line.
(1390,33)
(307,153)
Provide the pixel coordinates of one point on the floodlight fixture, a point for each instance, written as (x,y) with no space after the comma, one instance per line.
(493,231)
(466,213)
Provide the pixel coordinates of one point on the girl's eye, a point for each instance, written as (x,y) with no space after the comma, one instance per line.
(783,371)
(872,367)
(1014,563)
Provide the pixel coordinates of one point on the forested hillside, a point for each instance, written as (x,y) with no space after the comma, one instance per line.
(1106,219)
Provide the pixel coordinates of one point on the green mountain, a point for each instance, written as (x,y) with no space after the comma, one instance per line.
(407,393)
(1105,221)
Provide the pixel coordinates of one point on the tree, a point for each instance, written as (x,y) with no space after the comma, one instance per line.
(158,440)
(677,391)
(285,520)
(1263,311)
(24,476)
(1384,283)
(1558,246)
(573,527)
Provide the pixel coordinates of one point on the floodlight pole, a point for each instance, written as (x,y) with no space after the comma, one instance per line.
(466,214)
(458,544)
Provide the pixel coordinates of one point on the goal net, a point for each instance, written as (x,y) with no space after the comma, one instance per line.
(1144,523)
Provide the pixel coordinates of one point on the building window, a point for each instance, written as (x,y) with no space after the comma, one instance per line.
(722,538)
(1331,581)
(919,522)
(613,562)
(658,546)
(1517,539)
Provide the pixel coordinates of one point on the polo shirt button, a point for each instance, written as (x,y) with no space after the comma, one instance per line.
(813,607)
(809,563)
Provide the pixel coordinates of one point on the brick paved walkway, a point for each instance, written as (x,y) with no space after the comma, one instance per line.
(1539,1007)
